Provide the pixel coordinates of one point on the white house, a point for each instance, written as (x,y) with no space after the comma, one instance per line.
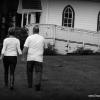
(67,24)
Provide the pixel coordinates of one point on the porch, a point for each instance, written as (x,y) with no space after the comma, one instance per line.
(66,40)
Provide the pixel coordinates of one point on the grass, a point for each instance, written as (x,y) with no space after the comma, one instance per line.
(64,78)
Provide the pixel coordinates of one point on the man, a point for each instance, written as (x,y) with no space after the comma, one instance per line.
(33,49)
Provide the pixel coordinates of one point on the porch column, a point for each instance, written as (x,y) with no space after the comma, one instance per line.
(27,19)
(33,18)
(14,22)
(22,20)
(47,9)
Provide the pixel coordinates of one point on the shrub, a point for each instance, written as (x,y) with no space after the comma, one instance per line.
(21,34)
(1,47)
(82,51)
(50,50)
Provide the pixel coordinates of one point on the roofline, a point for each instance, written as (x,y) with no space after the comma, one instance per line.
(27,11)
(21,10)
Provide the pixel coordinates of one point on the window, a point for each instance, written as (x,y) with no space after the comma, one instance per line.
(98,22)
(68,17)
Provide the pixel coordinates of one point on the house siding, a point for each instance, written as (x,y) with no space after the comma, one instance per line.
(86,16)
(44,13)
(86,13)
(67,40)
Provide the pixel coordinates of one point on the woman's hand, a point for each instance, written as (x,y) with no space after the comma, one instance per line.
(23,59)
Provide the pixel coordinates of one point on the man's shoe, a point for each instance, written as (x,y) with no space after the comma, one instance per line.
(29,86)
(6,84)
(11,87)
(38,87)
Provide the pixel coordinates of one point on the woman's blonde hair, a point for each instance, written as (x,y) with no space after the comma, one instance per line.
(11,31)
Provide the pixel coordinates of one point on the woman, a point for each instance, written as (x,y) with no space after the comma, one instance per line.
(10,50)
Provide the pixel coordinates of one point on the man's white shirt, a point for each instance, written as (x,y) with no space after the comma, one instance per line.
(35,45)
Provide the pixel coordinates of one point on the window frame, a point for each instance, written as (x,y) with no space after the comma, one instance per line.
(98,22)
(72,18)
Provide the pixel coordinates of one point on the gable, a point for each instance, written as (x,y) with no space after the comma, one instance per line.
(31,4)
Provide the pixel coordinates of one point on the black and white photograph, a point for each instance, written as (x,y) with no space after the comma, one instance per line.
(49,49)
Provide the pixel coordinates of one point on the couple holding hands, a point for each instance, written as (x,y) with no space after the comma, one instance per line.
(33,51)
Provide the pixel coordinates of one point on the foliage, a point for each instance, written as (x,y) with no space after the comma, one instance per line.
(1,46)
(50,50)
(82,51)
(21,34)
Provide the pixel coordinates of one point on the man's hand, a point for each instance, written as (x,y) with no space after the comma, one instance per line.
(23,59)
(1,57)
(24,54)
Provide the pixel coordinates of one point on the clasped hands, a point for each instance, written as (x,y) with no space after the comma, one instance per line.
(21,57)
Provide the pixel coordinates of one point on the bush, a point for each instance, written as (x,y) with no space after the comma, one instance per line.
(1,45)
(50,50)
(21,34)
(82,51)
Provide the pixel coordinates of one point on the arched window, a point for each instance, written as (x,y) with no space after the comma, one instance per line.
(98,22)
(68,16)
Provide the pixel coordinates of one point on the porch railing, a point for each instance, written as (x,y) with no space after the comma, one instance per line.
(68,39)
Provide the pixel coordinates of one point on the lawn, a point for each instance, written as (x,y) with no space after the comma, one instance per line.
(64,78)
